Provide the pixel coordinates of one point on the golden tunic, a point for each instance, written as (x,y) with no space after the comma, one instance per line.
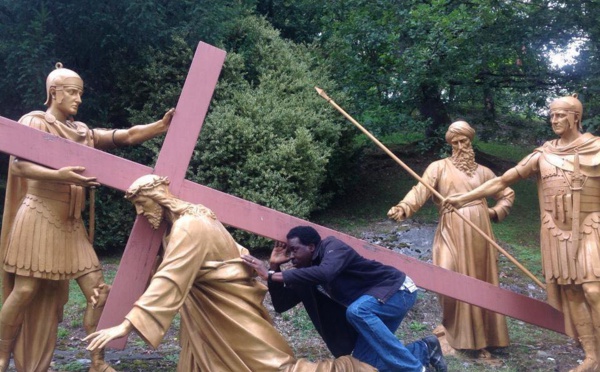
(47,237)
(562,264)
(43,236)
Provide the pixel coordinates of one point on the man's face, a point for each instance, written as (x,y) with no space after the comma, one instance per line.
(149,209)
(459,143)
(562,121)
(300,254)
(68,99)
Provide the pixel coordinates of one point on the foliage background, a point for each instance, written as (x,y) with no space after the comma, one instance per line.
(399,67)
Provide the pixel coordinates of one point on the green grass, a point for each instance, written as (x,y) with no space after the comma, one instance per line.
(63,332)
(73,366)
(378,193)
(73,310)
(503,151)
(520,230)
(417,326)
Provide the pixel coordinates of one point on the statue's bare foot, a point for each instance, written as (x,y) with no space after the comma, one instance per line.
(588,365)
(98,363)
(484,354)
(5,351)
(103,367)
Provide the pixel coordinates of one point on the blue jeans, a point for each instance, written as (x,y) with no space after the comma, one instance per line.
(376,324)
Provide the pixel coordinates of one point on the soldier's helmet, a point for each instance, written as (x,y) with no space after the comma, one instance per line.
(59,79)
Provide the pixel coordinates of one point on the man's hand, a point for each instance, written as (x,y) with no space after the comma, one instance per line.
(99,339)
(396,213)
(279,255)
(256,264)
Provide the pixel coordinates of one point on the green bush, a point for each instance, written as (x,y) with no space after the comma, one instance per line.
(270,138)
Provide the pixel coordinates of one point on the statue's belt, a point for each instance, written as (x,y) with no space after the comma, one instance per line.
(71,194)
(589,203)
(470,204)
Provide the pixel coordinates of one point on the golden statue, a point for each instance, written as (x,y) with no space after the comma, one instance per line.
(568,175)
(456,246)
(44,243)
(224,326)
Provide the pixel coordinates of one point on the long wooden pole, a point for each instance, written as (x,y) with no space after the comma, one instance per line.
(433,191)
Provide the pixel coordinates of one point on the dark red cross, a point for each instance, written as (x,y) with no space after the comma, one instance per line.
(173,160)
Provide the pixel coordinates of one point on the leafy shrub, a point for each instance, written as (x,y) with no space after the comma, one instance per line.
(269,137)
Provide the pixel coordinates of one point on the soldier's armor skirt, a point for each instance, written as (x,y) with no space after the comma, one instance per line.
(561,262)
(48,239)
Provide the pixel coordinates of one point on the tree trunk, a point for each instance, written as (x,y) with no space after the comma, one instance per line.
(432,107)
(489,114)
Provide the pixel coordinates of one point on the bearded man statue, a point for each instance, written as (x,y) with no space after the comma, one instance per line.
(457,246)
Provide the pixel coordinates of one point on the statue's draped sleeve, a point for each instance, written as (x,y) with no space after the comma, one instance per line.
(418,195)
(154,311)
(504,199)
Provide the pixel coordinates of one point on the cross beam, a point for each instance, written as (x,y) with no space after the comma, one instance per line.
(118,173)
(54,152)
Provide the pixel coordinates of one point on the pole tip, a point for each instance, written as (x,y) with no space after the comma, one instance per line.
(322,93)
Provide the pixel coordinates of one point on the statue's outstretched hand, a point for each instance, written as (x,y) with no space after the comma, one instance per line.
(453,201)
(396,213)
(98,299)
(72,175)
(99,339)
(166,120)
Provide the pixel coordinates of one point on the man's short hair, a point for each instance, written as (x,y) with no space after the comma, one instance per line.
(306,234)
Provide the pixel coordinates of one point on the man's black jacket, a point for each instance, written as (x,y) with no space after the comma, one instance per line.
(328,317)
(345,275)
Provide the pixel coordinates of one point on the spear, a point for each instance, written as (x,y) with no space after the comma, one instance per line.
(429,187)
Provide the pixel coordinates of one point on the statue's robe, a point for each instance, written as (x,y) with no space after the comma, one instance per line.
(458,247)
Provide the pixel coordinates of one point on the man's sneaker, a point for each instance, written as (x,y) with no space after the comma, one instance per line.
(436,358)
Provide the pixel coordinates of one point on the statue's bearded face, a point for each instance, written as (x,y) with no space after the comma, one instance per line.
(463,155)
(150,209)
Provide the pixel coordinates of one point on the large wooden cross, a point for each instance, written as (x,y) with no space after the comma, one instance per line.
(140,253)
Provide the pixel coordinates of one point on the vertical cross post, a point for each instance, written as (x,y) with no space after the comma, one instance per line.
(173,160)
